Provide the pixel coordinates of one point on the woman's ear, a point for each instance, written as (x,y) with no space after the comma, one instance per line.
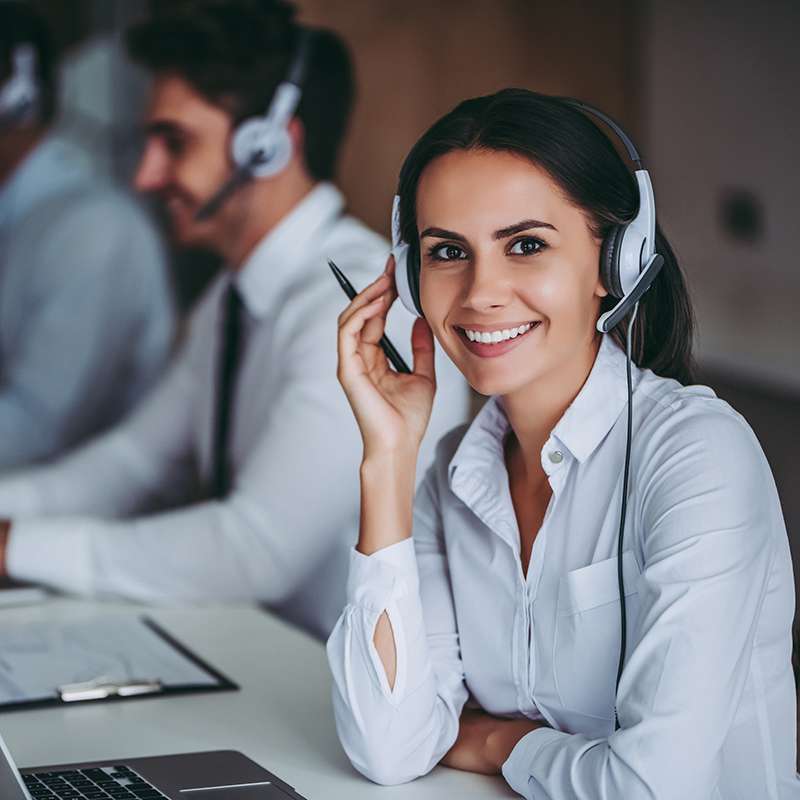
(599,289)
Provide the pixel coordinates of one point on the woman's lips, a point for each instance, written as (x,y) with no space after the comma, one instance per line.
(499,348)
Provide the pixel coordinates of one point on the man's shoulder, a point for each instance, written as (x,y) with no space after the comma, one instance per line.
(357,249)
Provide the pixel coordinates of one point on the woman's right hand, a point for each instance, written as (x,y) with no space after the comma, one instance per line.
(392,409)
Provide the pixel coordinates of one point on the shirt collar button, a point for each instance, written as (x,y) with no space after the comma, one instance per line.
(555,456)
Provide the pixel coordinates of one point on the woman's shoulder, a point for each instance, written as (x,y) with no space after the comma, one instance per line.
(682,412)
(688,432)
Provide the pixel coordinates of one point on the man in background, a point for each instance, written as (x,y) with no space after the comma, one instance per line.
(86,318)
(238,478)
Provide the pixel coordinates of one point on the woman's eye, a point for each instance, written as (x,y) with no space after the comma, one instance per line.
(447,252)
(526,247)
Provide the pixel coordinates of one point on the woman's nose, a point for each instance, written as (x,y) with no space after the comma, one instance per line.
(488,287)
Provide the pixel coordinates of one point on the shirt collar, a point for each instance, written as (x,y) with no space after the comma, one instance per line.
(284,252)
(592,414)
(53,166)
(581,429)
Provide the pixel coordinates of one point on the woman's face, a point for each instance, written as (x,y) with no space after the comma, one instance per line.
(509,279)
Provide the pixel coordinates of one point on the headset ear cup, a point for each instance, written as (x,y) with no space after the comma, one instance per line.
(257,136)
(413,278)
(609,261)
(402,278)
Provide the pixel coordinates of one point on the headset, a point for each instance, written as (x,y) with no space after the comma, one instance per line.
(261,146)
(628,261)
(628,266)
(20,95)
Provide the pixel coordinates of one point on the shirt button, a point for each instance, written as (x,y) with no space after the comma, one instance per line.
(556,456)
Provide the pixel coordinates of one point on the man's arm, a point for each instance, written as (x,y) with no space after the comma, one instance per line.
(293,504)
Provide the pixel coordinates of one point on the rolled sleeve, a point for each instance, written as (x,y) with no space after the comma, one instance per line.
(395,734)
(379,579)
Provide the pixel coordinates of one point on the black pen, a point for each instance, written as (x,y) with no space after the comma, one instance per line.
(386,345)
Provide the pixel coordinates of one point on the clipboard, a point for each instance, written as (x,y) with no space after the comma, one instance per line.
(33,655)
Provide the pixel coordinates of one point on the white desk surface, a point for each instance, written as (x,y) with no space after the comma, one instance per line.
(281,717)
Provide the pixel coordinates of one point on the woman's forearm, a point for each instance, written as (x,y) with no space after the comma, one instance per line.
(387,497)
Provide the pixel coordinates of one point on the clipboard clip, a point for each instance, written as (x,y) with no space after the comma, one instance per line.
(102,689)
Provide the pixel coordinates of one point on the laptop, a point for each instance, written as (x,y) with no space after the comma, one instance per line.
(216,775)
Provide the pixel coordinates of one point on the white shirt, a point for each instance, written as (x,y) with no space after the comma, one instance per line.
(86,315)
(283,535)
(707,698)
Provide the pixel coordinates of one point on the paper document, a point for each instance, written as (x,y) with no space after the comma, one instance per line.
(37,658)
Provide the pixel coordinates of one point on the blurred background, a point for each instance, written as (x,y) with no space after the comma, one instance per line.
(707,89)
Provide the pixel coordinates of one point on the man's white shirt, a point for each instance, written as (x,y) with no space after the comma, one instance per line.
(707,698)
(282,537)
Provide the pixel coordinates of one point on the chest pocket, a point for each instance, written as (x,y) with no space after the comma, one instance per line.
(587,634)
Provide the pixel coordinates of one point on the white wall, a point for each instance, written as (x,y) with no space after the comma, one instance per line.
(720,105)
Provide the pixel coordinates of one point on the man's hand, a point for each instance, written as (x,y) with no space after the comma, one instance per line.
(484,742)
(5,527)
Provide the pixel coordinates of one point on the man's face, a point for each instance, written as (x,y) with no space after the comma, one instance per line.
(186,159)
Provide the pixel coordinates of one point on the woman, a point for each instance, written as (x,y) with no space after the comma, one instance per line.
(509,592)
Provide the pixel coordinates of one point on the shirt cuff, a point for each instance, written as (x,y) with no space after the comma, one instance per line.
(517,768)
(385,576)
(56,554)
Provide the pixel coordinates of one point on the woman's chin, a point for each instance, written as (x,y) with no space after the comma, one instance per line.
(489,385)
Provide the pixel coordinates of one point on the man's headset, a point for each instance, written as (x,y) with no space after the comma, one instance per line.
(20,95)
(261,146)
(628,260)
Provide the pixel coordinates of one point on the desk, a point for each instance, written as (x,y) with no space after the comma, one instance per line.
(281,718)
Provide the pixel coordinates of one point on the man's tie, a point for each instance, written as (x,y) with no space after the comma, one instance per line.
(228,363)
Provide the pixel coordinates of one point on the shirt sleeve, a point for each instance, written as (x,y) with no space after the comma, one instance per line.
(709,542)
(393,735)
(67,369)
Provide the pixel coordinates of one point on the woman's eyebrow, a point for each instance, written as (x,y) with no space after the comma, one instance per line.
(503,233)
(525,225)
(441,233)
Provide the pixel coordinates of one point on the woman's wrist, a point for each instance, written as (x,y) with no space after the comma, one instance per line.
(387,498)
(505,737)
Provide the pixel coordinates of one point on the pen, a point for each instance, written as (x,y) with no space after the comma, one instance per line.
(386,345)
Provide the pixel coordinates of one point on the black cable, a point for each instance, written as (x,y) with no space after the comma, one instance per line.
(623,510)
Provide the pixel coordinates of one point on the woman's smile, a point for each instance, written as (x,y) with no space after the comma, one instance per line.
(490,342)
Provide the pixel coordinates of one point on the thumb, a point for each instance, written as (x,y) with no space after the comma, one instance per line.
(422,347)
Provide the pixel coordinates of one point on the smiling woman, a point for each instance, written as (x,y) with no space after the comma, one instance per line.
(516,589)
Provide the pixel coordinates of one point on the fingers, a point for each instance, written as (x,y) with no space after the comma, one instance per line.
(384,285)
(364,297)
(423,349)
(351,362)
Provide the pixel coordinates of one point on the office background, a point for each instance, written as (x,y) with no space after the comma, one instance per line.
(706,89)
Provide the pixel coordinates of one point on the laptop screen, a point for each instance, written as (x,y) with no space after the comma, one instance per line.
(11,785)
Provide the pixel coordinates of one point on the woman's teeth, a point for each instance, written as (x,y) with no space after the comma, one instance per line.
(493,337)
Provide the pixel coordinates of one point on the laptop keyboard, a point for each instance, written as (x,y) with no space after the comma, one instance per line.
(100,783)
